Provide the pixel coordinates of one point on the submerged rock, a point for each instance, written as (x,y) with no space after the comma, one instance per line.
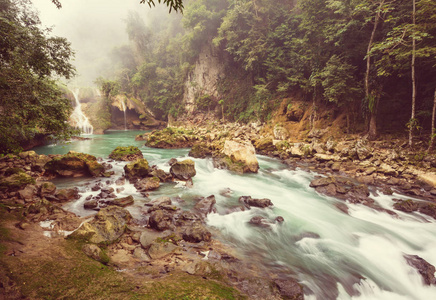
(183,170)
(206,205)
(122,202)
(424,268)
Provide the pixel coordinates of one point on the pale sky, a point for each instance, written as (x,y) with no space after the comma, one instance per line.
(93,27)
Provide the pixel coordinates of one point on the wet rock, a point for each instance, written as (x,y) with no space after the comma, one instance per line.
(107,226)
(172,161)
(247,201)
(162,175)
(259,221)
(122,202)
(279,219)
(161,220)
(160,202)
(290,289)
(206,205)
(91,204)
(240,157)
(407,206)
(321,182)
(200,150)
(65,195)
(120,181)
(147,184)
(428,209)
(196,233)
(74,164)
(423,267)
(137,169)
(94,252)
(130,153)
(183,170)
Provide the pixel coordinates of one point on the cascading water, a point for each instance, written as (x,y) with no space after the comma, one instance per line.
(78,118)
(123,107)
(357,255)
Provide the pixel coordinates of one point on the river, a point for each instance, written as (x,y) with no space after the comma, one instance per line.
(334,255)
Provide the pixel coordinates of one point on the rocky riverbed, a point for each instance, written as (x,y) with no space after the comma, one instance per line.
(166,239)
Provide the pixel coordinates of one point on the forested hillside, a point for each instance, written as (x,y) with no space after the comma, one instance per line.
(373,60)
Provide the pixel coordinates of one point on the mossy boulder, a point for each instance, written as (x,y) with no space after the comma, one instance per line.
(106,227)
(75,164)
(239,157)
(137,169)
(170,138)
(183,170)
(200,150)
(122,202)
(14,179)
(130,153)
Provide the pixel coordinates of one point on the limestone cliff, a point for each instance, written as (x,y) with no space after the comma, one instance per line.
(204,79)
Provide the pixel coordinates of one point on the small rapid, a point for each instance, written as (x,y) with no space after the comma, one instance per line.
(334,255)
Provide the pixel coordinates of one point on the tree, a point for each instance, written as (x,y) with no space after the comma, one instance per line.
(177,5)
(31,103)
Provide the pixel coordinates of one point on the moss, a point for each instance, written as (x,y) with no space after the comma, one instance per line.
(16,181)
(120,153)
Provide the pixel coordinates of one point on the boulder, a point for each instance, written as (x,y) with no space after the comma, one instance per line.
(160,220)
(15,179)
(47,188)
(247,201)
(240,157)
(162,175)
(130,153)
(259,221)
(28,193)
(160,202)
(65,195)
(137,169)
(407,206)
(94,252)
(289,289)
(183,170)
(206,205)
(122,202)
(200,150)
(265,146)
(196,233)
(424,268)
(161,249)
(74,164)
(147,184)
(107,226)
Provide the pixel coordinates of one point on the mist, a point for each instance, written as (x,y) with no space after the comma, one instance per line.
(94,29)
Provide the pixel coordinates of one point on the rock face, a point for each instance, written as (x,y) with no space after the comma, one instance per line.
(240,157)
(137,169)
(74,164)
(107,226)
(130,153)
(169,138)
(183,170)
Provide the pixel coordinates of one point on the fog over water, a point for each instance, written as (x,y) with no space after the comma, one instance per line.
(94,28)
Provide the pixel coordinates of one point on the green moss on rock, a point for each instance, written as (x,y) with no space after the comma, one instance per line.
(130,153)
(137,169)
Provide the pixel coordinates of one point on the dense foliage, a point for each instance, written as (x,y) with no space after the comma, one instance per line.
(353,55)
(31,103)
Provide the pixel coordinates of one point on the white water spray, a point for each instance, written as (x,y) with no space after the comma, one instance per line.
(78,118)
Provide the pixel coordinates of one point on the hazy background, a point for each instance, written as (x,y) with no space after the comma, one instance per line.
(94,28)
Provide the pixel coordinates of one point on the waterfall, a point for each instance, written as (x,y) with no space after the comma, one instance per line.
(78,118)
(123,107)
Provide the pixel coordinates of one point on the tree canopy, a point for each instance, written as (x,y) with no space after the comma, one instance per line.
(31,102)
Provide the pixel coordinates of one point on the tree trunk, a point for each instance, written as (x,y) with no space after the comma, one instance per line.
(412,117)
(432,132)
(372,132)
